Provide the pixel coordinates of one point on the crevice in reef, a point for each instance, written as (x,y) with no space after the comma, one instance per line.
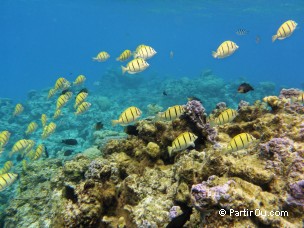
(180,220)
(69,193)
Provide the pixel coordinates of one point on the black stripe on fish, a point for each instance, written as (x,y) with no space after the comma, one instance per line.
(236,144)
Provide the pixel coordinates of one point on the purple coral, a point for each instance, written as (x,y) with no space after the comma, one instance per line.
(296,196)
(279,148)
(174,212)
(204,197)
(196,112)
(287,93)
(221,105)
(243,104)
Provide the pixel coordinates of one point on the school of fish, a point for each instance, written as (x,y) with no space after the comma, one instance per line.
(24,147)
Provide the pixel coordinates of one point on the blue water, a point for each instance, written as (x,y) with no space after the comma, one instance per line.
(42,40)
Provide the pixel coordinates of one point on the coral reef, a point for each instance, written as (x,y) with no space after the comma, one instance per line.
(127,179)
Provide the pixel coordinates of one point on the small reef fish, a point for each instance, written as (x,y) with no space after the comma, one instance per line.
(83,90)
(139,47)
(61,101)
(165,93)
(65,91)
(194,99)
(82,108)
(80,98)
(19,146)
(135,66)
(6,180)
(4,137)
(226,49)
(69,95)
(7,166)
(298,99)
(257,39)
(126,54)
(101,57)
(24,165)
(171,54)
(57,114)
(31,128)
(127,116)
(62,84)
(43,120)
(98,126)
(48,130)
(71,142)
(79,80)
(30,146)
(226,116)
(182,142)
(171,113)
(46,152)
(51,93)
(39,150)
(285,30)
(68,152)
(18,109)
(240,141)
(242,32)
(145,52)
(244,88)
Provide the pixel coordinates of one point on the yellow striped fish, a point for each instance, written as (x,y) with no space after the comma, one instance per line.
(20,145)
(31,128)
(285,30)
(298,99)
(101,56)
(226,116)
(48,130)
(57,114)
(171,113)
(30,146)
(24,165)
(240,141)
(182,142)
(69,95)
(39,150)
(61,101)
(4,137)
(145,52)
(62,84)
(43,120)
(6,180)
(135,66)
(7,166)
(51,93)
(127,116)
(226,49)
(18,109)
(79,80)
(139,47)
(83,107)
(80,98)
(124,56)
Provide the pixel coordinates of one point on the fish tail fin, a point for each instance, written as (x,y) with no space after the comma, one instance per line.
(157,116)
(94,58)
(124,69)
(214,54)
(117,59)
(274,38)
(114,123)
(169,150)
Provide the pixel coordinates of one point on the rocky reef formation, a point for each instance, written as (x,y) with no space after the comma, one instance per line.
(134,183)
